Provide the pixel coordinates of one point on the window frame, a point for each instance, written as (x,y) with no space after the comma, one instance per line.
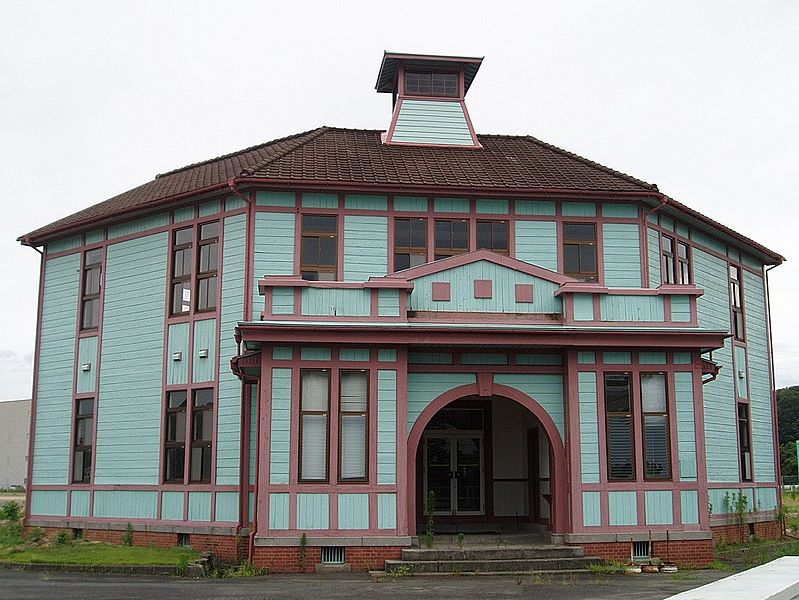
(200,275)
(676,270)
(492,223)
(327,414)
(630,414)
(177,443)
(417,71)
(737,311)
(411,250)
(365,414)
(318,268)
(202,442)
(184,277)
(79,417)
(665,414)
(588,276)
(744,425)
(186,413)
(442,252)
(93,297)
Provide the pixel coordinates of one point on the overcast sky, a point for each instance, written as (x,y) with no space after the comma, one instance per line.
(701,98)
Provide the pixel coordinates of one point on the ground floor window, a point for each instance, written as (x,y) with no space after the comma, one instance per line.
(84,435)
(188,425)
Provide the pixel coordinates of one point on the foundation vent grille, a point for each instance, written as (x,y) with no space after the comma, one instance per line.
(641,551)
(333,555)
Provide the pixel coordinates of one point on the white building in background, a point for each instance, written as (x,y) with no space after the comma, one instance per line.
(15,417)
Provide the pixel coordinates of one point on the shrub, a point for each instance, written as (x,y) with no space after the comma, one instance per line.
(127,537)
(11,511)
(63,539)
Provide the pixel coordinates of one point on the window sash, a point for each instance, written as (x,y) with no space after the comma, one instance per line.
(319,247)
(314,424)
(580,251)
(494,236)
(451,237)
(83,440)
(619,427)
(353,425)
(90,288)
(744,442)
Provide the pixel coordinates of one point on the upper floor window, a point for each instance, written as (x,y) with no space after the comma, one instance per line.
(493,235)
(195,420)
(188,276)
(207,267)
(744,443)
(90,296)
(619,427)
(319,250)
(84,434)
(419,83)
(736,301)
(657,455)
(410,243)
(452,237)
(579,251)
(676,261)
(182,241)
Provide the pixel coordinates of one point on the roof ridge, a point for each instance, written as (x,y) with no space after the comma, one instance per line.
(232,154)
(313,134)
(591,163)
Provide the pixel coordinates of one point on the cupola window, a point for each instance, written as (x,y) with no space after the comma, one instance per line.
(418,83)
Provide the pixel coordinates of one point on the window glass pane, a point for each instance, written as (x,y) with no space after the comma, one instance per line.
(206,293)
(571,258)
(682,250)
(354,387)
(91,283)
(617,393)
(203,397)
(181,297)
(94,257)
(443,234)
(202,425)
(314,447)
(209,230)
(177,399)
(579,232)
(326,276)
(460,234)
(183,236)
(500,235)
(402,261)
(402,236)
(587,258)
(418,259)
(653,392)
(684,273)
(309,253)
(176,427)
(656,439)
(85,407)
(201,463)
(319,223)
(620,449)
(174,463)
(668,269)
(484,235)
(419,233)
(90,309)
(353,447)
(84,432)
(315,389)
(668,244)
(327,250)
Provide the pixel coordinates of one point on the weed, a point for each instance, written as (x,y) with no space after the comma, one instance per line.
(183,565)
(35,534)
(127,537)
(684,576)
(461,538)
(63,539)
(403,570)
(430,527)
(609,567)
(11,511)
(245,569)
(303,557)
(720,565)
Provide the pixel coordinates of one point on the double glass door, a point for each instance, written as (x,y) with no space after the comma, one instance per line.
(453,471)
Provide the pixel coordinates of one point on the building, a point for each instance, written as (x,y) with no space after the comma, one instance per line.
(310,335)
(15,418)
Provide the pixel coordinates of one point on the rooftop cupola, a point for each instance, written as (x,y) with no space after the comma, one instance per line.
(428,99)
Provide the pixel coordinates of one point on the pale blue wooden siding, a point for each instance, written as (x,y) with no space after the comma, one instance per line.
(432,122)
(686,432)
(388,303)
(122,504)
(273,252)
(234,203)
(652,358)
(365,202)
(282,302)
(535,207)
(621,248)
(93,237)
(79,503)
(199,506)
(87,354)
(452,205)
(138,225)
(353,355)
(68,243)
(617,358)
(689,507)
(49,503)
(209,208)
(278,511)
(177,371)
(172,506)
(653,250)
(275,198)
(544,388)
(315,354)
(204,369)
(387,355)
(619,210)
(759,381)
(56,369)
(280,443)
(741,372)
(578,209)
(631,308)
(386,426)
(708,241)
(353,511)
(423,388)
(718,397)
(659,507)
(319,200)
(680,309)
(504,291)
(766,498)
(127,446)
(410,204)
(336,302)
(227,507)
(592,516)
(183,214)
(622,508)
(228,420)
(589,434)
(386,511)
(313,511)
(583,307)
(537,243)
(365,247)
(491,206)
(722,500)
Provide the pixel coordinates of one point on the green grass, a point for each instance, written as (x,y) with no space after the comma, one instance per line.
(609,567)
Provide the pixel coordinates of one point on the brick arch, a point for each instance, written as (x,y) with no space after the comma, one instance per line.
(557,466)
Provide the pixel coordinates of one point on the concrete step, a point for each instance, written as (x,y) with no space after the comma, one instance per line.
(489,553)
(491,565)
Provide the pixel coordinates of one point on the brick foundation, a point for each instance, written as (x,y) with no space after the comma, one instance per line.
(694,553)
(286,559)
(735,534)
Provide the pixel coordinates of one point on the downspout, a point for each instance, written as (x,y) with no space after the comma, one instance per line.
(664,200)
(774,417)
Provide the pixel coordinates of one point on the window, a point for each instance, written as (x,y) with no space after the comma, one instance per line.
(181,270)
(737,303)
(90,302)
(431,84)
(657,457)
(410,243)
(452,237)
(676,261)
(319,250)
(198,422)
(579,251)
(353,432)
(84,434)
(619,427)
(744,444)
(493,235)
(314,417)
(208,248)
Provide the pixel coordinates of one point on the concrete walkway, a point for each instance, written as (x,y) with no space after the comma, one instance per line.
(777,580)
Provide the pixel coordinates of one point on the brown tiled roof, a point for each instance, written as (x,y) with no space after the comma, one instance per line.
(330,155)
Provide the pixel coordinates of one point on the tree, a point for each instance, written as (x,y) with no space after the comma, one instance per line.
(788,415)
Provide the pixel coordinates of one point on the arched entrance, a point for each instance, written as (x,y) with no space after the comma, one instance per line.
(457,449)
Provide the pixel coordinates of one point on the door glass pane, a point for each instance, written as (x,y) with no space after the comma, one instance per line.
(438,470)
(468,474)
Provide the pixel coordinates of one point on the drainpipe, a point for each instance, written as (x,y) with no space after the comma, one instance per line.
(664,200)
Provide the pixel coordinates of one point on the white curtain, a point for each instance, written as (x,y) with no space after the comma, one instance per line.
(653,392)
(315,390)
(353,447)
(314,447)
(354,387)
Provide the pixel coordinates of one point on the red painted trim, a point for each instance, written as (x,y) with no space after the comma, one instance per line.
(441,291)
(483,289)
